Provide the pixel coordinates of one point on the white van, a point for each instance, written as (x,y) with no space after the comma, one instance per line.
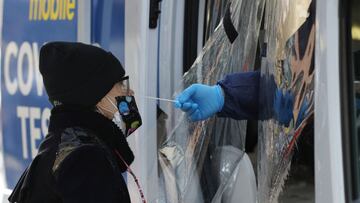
(158,41)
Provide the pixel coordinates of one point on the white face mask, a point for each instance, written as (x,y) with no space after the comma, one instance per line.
(117,118)
(118,121)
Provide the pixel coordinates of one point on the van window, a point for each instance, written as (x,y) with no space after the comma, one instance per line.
(350,95)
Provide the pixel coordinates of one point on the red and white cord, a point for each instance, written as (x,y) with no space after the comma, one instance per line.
(133,175)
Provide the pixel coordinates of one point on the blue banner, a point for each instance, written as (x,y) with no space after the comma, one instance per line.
(25,110)
(108,26)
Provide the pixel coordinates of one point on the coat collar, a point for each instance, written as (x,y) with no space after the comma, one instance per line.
(65,117)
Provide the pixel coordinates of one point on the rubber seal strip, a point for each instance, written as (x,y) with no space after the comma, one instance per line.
(229,28)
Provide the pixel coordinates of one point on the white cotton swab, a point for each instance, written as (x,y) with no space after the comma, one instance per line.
(160,99)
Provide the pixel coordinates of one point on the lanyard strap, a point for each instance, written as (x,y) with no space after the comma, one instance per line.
(134,176)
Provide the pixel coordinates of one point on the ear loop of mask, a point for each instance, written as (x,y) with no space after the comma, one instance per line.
(99,109)
(118,121)
(112,103)
(106,109)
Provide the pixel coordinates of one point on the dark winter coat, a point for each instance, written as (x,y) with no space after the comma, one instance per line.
(76,162)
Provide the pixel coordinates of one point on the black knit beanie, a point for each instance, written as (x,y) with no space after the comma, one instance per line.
(78,74)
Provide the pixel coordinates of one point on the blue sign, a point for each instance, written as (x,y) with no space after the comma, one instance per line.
(25,110)
(108,26)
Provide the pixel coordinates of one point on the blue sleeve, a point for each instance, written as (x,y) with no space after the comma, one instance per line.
(241,96)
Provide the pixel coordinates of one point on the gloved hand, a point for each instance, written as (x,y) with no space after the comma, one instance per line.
(200,101)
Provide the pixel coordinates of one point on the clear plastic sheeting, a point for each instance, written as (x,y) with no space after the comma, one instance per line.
(288,63)
(215,10)
(199,162)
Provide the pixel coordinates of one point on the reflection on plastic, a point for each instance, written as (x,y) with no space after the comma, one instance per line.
(242,184)
(235,175)
(289,62)
(199,162)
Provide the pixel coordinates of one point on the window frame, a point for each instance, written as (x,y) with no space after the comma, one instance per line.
(348,118)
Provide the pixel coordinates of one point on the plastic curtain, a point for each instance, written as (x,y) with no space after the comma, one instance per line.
(287,65)
(199,161)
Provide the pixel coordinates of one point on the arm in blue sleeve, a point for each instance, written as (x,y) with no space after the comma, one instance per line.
(241,96)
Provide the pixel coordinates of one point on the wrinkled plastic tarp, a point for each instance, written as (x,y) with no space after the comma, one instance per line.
(289,62)
(198,159)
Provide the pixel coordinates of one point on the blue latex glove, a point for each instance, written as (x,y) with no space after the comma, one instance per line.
(200,101)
